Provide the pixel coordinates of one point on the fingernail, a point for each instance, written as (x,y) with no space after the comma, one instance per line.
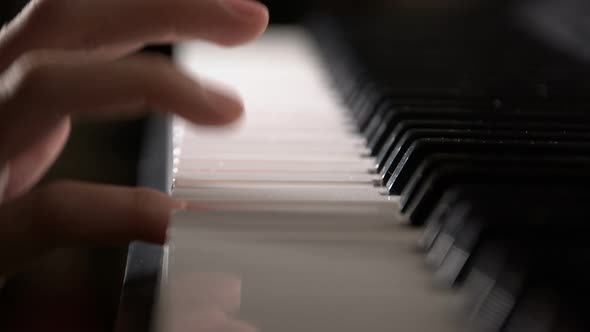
(243,8)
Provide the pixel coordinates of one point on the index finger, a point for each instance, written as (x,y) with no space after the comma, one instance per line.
(124,25)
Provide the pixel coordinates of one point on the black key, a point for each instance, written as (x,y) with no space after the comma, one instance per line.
(532,125)
(438,218)
(422,148)
(432,163)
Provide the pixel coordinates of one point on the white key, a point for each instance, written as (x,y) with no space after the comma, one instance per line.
(210,147)
(301,272)
(361,165)
(282,192)
(278,136)
(285,156)
(359,209)
(283,204)
(194,178)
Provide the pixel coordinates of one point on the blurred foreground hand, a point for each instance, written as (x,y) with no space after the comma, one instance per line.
(62,58)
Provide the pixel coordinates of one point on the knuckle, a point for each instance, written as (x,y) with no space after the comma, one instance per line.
(31,73)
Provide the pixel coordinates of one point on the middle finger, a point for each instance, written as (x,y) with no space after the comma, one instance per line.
(47,88)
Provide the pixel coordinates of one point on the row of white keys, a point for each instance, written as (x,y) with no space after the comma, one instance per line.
(267,193)
(277,165)
(282,140)
(285,204)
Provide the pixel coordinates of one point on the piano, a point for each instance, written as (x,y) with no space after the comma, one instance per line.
(411,170)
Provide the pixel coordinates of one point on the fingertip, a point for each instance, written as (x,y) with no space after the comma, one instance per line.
(246,10)
(225,105)
(261,21)
(153,213)
(253,16)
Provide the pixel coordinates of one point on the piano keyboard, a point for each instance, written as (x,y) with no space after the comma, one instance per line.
(348,201)
(285,202)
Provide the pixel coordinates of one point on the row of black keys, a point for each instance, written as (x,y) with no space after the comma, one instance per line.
(518,252)
(502,190)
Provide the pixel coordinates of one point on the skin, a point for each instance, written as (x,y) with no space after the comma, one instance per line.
(63,58)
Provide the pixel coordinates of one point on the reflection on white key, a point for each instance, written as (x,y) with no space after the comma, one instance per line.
(360,209)
(285,156)
(282,192)
(277,137)
(273,166)
(212,147)
(238,157)
(362,165)
(196,178)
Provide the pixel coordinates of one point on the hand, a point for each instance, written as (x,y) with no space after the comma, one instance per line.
(64,58)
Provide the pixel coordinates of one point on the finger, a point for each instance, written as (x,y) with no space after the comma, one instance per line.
(49,88)
(70,214)
(123,25)
(28,167)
